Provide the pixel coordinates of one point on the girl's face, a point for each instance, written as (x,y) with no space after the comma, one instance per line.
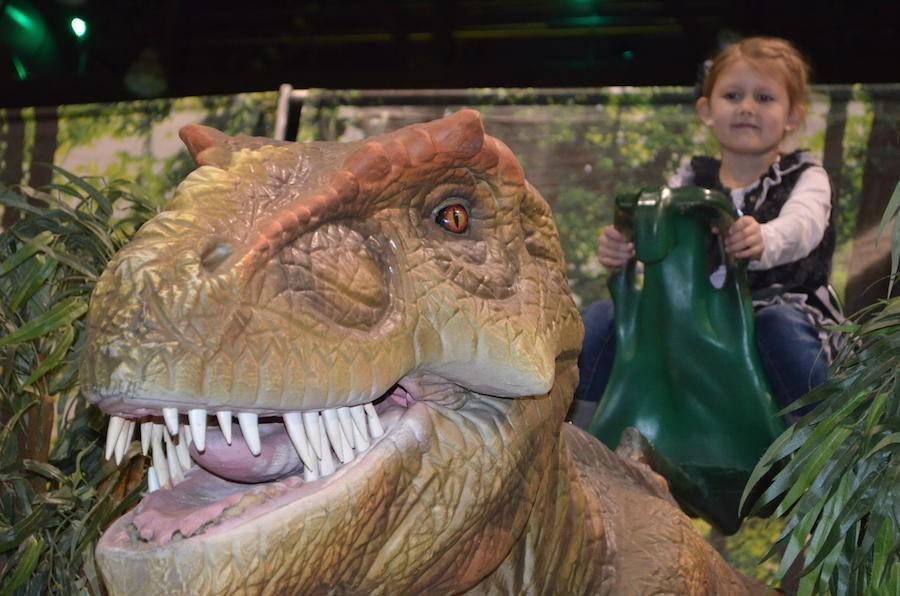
(749,111)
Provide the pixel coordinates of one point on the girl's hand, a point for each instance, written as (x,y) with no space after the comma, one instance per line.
(613,249)
(744,239)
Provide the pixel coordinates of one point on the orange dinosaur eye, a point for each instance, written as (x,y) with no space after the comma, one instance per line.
(453,218)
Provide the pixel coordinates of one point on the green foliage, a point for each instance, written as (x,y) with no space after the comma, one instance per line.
(58,493)
(837,471)
(893,211)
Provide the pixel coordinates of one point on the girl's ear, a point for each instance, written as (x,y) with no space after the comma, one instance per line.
(794,118)
(702,107)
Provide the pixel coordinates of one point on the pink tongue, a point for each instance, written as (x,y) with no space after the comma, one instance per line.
(277,457)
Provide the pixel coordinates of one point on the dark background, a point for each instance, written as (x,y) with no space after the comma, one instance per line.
(173,48)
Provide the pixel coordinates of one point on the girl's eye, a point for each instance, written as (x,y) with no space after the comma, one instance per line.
(730,95)
(453,218)
(765,97)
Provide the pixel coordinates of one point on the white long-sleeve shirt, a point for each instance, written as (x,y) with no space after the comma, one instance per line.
(800,224)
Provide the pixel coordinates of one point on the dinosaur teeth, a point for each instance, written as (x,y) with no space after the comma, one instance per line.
(326,463)
(197,419)
(182,448)
(170,460)
(170,415)
(158,456)
(317,436)
(152,480)
(175,473)
(311,424)
(123,441)
(224,418)
(374,423)
(294,425)
(336,436)
(346,424)
(249,423)
(146,429)
(112,434)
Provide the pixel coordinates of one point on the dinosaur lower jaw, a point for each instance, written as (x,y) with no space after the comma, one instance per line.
(235,478)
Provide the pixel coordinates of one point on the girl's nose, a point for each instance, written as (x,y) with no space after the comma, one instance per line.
(747,106)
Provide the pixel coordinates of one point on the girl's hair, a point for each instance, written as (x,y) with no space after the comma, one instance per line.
(769,55)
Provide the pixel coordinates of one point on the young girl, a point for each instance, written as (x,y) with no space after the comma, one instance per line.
(753,96)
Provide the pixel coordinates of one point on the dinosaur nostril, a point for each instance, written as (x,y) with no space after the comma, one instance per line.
(214,256)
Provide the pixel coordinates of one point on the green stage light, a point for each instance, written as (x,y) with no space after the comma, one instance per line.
(79,27)
(24,31)
(20,17)
(20,69)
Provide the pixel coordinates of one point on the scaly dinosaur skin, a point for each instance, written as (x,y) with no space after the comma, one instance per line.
(286,278)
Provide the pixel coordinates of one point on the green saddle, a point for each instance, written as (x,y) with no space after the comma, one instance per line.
(686,372)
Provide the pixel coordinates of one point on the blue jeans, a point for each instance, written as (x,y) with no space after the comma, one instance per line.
(789,348)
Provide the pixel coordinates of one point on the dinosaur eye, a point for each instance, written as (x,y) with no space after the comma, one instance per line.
(453,218)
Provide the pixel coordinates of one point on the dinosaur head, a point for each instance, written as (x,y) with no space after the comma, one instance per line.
(389,324)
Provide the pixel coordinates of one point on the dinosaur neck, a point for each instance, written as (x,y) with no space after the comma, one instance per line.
(563,541)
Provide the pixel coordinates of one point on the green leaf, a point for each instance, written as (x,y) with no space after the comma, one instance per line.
(41,269)
(804,481)
(15,201)
(28,557)
(784,445)
(53,359)
(883,545)
(101,199)
(808,450)
(797,540)
(24,528)
(890,211)
(892,439)
(63,258)
(60,315)
(25,252)
(44,469)
(824,541)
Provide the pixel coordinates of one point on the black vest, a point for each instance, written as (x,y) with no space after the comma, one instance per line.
(804,275)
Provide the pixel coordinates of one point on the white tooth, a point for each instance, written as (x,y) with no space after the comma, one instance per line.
(309,475)
(124,440)
(346,424)
(156,433)
(250,430)
(348,450)
(336,436)
(159,459)
(326,462)
(359,420)
(187,434)
(362,443)
(172,462)
(170,415)
(375,428)
(146,429)
(182,451)
(360,431)
(152,480)
(294,425)
(224,418)
(197,418)
(313,431)
(112,434)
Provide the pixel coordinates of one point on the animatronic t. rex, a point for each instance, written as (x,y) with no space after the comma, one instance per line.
(390,323)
